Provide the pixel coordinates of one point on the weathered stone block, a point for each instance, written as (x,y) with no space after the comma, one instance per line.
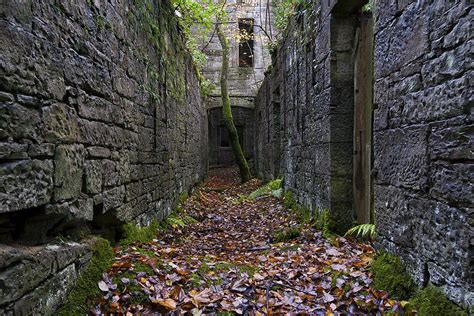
(25,184)
(41,150)
(453,143)
(17,122)
(60,123)
(94,176)
(69,168)
(401,157)
(113,198)
(98,152)
(448,66)
(10,151)
(403,41)
(453,183)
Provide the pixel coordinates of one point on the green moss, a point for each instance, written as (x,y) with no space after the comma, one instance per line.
(303,214)
(389,274)
(146,252)
(431,301)
(320,220)
(195,280)
(286,234)
(136,234)
(86,290)
(140,267)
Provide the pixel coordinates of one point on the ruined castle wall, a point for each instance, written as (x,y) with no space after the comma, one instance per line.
(303,131)
(423,132)
(423,139)
(101,123)
(243,82)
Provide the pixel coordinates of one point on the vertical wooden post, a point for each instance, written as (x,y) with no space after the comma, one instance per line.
(363,94)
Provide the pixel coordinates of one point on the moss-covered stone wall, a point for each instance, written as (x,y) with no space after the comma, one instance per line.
(101,123)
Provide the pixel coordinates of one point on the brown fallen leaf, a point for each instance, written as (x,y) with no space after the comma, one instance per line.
(168,303)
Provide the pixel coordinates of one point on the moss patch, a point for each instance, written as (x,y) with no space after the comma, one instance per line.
(431,301)
(136,234)
(320,220)
(389,274)
(86,289)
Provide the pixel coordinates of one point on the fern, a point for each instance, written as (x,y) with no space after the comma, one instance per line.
(271,187)
(364,231)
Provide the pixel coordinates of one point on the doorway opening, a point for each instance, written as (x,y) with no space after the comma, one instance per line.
(351,115)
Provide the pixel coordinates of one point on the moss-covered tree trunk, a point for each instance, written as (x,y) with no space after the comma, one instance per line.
(227,111)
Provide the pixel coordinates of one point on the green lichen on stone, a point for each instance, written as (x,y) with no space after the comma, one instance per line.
(86,289)
(431,301)
(389,274)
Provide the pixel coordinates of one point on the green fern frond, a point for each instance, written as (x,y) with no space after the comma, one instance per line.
(363,231)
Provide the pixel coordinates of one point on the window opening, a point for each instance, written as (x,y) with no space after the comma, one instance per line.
(246,42)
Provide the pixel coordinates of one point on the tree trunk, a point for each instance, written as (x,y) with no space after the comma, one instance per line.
(227,111)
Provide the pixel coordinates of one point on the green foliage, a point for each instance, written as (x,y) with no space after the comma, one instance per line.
(168,69)
(284,10)
(207,88)
(273,187)
(182,198)
(86,289)
(196,20)
(136,234)
(431,301)
(363,231)
(322,221)
(369,7)
(180,220)
(286,234)
(303,214)
(389,274)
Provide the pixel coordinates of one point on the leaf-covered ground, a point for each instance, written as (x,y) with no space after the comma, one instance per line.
(229,262)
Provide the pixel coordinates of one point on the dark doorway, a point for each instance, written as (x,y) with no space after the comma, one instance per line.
(351,114)
(225,153)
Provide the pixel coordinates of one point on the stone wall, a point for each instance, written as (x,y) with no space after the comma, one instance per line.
(101,122)
(243,82)
(423,131)
(424,139)
(304,110)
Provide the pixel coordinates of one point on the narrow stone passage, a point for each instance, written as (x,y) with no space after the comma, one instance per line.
(248,256)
